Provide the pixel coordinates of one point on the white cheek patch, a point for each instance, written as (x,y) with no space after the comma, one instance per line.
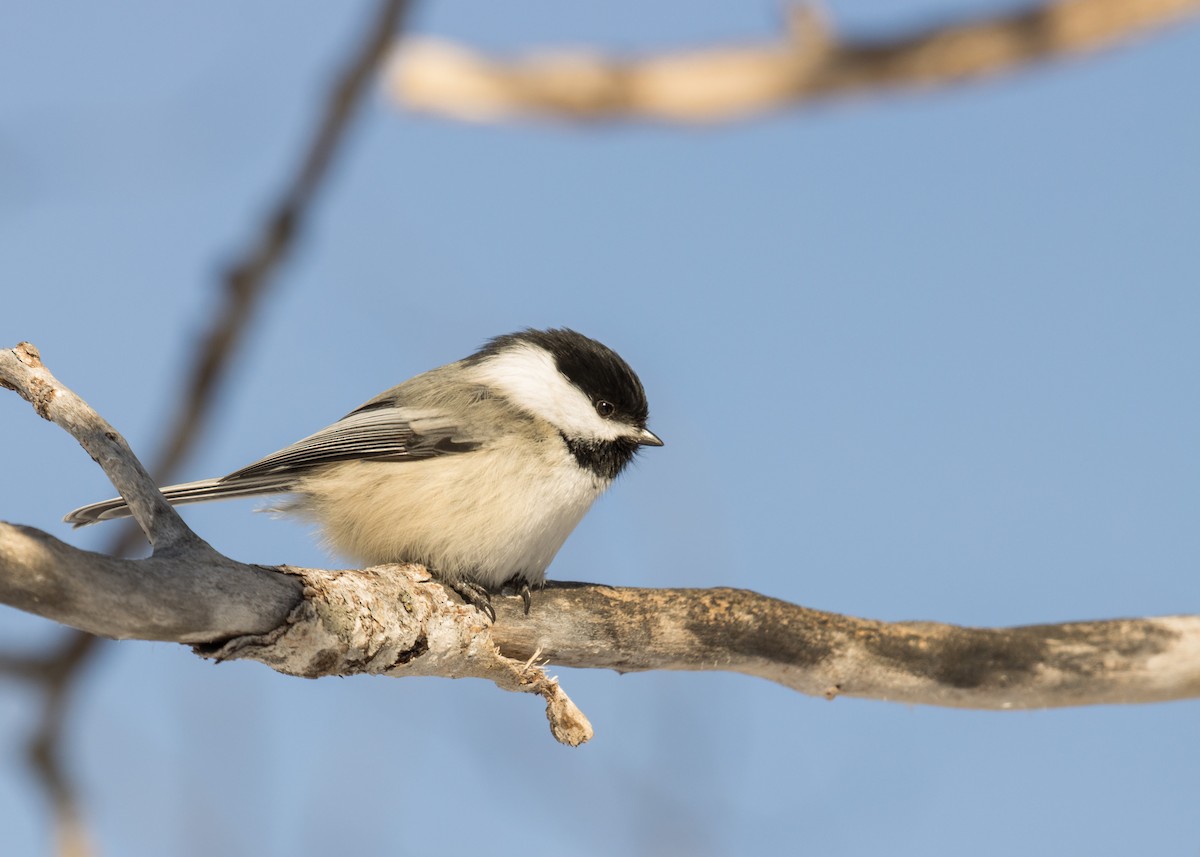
(527,375)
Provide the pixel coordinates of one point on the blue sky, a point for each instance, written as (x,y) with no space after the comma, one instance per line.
(925,357)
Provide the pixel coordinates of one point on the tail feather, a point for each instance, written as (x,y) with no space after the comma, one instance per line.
(189,492)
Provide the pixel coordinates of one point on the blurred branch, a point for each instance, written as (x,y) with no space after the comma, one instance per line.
(247,280)
(810,63)
(246,284)
(396,620)
(53,673)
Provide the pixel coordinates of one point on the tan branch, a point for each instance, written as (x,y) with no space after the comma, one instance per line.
(828,654)
(719,84)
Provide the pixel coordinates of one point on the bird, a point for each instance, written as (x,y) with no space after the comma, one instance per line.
(478,470)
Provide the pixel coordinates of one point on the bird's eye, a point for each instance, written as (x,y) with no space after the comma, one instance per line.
(605,409)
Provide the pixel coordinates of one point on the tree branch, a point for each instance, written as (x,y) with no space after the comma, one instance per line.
(828,654)
(188,597)
(396,620)
(724,83)
(21,369)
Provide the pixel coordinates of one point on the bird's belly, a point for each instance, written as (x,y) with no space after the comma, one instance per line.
(480,517)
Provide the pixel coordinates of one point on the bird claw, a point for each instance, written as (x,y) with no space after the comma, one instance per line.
(477,596)
(480,597)
(519,586)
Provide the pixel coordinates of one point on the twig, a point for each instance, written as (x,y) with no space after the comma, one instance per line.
(731,82)
(22,370)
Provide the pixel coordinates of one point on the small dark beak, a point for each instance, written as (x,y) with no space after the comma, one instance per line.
(648,438)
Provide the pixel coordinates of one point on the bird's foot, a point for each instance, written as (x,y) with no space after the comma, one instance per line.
(519,586)
(477,596)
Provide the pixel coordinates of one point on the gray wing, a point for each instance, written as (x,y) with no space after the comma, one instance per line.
(378,431)
(374,432)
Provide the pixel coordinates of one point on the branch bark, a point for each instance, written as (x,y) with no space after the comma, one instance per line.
(389,620)
(830,655)
(397,620)
(731,82)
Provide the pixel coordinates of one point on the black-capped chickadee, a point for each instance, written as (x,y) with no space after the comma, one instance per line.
(478,470)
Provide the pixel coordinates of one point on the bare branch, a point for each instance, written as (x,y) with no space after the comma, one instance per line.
(731,82)
(187,597)
(53,672)
(828,654)
(391,620)
(396,620)
(21,369)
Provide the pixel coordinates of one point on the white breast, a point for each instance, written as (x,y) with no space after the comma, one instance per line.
(485,516)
